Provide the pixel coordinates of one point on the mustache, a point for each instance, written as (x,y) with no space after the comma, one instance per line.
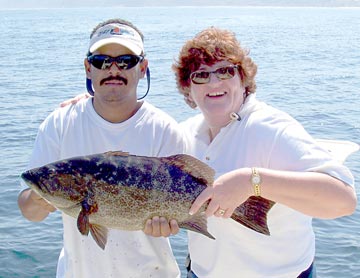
(118,78)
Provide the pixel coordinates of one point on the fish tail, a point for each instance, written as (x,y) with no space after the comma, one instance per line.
(253,214)
(197,223)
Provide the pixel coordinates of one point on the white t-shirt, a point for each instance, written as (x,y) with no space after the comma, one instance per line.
(268,138)
(78,130)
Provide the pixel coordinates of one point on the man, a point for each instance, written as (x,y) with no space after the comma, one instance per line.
(113,119)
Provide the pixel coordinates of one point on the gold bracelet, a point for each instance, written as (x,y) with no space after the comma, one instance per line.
(256,181)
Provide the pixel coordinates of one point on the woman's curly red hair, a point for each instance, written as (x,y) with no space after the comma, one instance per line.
(208,47)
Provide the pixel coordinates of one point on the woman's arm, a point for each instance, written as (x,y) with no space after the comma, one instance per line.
(315,194)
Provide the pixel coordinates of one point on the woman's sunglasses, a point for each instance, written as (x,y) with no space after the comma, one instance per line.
(123,62)
(203,77)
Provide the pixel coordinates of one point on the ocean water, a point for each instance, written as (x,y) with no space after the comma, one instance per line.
(309,66)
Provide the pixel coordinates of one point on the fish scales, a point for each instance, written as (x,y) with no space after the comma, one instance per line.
(121,191)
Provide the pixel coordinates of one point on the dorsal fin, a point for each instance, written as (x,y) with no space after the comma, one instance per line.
(116,153)
(193,166)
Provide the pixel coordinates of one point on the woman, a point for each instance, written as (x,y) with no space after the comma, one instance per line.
(255,150)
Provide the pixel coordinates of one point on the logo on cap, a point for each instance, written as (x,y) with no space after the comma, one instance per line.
(118,31)
(115,31)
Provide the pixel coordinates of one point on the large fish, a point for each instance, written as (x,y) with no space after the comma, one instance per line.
(121,191)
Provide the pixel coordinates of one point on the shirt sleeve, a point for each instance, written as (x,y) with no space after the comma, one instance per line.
(295,150)
(46,147)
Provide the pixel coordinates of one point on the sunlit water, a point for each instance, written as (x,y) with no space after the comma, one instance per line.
(308,62)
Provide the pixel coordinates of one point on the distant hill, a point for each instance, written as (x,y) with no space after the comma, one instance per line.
(27,4)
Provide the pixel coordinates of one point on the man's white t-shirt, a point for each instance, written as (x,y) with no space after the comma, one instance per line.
(78,130)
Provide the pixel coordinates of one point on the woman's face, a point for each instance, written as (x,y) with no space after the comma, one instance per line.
(218,98)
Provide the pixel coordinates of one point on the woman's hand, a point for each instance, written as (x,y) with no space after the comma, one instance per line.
(227,193)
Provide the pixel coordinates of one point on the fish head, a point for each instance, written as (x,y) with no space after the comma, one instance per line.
(58,183)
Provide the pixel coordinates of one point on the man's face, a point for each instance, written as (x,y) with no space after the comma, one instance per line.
(113,84)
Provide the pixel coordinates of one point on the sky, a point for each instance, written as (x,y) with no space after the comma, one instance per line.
(28,4)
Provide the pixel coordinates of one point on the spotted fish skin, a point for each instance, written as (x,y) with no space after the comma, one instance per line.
(121,191)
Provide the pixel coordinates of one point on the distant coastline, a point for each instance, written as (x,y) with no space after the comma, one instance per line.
(35,4)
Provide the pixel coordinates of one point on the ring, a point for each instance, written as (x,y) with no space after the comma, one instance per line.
(221,211)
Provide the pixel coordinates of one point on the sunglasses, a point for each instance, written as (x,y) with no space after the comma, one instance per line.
(203,77)
(123,62)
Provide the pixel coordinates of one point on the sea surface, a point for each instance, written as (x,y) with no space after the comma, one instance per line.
(309,66)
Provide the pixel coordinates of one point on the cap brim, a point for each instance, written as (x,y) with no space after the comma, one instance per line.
(135,49)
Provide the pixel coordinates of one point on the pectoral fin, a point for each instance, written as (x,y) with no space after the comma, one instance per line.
(99,233)
(197,223)
(253,214)
(83,217)
(83,222)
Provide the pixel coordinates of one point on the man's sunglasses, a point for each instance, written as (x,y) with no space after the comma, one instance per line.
(123,62)
(203,77)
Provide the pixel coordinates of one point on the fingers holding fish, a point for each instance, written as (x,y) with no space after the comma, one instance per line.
(174,227)
(218,209)
(204,196)
(227,193)
(160,227)
(220,212)
(232,189)
(41,202)
(152,227)
(224,213)
(216,205)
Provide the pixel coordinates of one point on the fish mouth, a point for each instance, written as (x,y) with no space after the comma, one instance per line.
(27,177)
(33,182)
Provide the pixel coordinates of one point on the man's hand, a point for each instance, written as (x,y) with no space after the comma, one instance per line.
(159,226)
(39,201)
(33,207)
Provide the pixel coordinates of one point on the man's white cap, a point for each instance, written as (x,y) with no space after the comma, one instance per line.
(119,34)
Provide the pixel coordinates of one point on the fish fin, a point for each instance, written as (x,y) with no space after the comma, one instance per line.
(99,234)
(197,223)
(116,153)
(253,214)
(195,167)
(83,222)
